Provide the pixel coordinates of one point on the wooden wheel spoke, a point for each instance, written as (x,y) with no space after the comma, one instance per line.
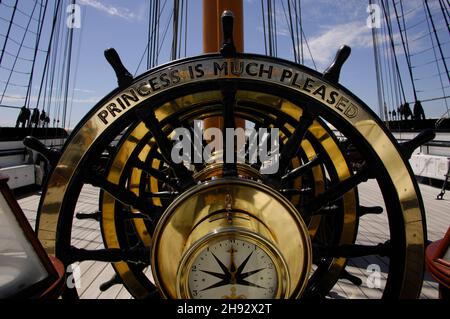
(290,148)
(152,123)
(156,173)
(127,197)
(338,190)
(140,255)
(353,251)
(301,170)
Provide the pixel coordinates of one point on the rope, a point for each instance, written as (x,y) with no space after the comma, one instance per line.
(18,25)
(186,29)
(14,55)
(264,26)
(8,32)
(393,47)
(38,38)
(55,18)
(18,43)
(406,51)
(165,33)
(67,79)
(15,60)
(14,84)
(18,10)
(430,62)
(428,49)
(309,50)
(378,72)
(302,61)
(446,16)
(437,38)
(291,29)
(297,31)
(433,46)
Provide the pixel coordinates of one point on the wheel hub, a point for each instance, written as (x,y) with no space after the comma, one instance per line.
(231,237)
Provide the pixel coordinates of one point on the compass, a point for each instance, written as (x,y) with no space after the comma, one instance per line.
(229,239)
(233,266)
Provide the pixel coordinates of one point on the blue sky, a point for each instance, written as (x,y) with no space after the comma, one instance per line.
(327,25)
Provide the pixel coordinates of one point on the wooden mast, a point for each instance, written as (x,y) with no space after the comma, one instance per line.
(212,37)
(212,31)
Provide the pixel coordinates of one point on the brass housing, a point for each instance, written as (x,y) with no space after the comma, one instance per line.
(223,206)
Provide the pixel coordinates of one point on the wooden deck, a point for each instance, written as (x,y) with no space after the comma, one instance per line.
(373,230)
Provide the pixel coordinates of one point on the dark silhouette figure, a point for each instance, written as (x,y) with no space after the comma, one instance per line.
(42,118)
(405,111)
(34,118)
(419,114)
(46,121)
(394,115)
(24,117)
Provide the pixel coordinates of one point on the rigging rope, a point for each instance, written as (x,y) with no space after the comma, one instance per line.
(381,108)
(18,10)
(437,64)
(264,26)
(38,38)
(297,37)
(406,50)
(8,32)
(18,43)
(44,72)
(68,69)
(15,60)
(18,25)
(387,17)
(445,11)
(291,28)
(437,38)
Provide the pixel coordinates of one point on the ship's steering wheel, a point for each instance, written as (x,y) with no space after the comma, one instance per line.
(330,142)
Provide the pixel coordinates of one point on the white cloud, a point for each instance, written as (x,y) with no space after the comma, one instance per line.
(14,99)
(111,10)
(324,46)
(83,91)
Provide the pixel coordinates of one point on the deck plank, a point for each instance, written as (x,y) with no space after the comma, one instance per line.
(373,229)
